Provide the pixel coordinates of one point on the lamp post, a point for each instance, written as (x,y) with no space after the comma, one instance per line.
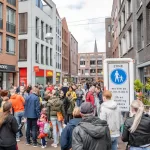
(49,37)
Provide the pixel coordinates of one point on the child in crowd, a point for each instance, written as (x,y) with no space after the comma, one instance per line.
(41,123)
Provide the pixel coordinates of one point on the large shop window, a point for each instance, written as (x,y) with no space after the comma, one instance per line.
(22,49)
(10,45)
(11,21)
(1,16)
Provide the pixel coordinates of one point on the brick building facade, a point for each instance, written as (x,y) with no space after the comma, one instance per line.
(8,43)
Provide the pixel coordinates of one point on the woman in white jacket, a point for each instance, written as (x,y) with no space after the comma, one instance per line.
(111,113)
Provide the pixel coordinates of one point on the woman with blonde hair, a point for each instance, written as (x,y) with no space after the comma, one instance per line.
(66,136)
(137,128)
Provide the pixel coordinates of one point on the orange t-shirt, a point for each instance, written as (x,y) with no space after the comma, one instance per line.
(17,103)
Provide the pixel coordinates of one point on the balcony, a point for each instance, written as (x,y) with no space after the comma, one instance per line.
(10,27)
(12,2)
(93,74)
(37,33)
(1,23)
(99,74)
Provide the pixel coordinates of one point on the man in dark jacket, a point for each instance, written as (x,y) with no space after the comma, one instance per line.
(32,113)
(91,133)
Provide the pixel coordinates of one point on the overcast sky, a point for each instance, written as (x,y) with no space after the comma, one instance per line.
(86,21)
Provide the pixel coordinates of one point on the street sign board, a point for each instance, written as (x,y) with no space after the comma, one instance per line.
(118,78)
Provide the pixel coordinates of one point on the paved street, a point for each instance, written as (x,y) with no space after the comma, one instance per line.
(22,146)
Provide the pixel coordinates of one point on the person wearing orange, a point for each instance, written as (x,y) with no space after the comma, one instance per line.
(18,109)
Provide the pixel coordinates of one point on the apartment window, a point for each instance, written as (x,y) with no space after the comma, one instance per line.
(124,45)
(92,70)
(42,30)
(86,70)
(51,62)
(99,62)
(23,21)
(56,60)
(140,33)
(46,56)
(1,16)
(148,22)
(39,4)
(22,49)
(37,27)
(120,48)
(129,7)
(42,54)
(139,3)
(37,53)
(109,28)
(92,62)
(130,40)
(123,17)
(82,62)
(11,21)
(109,44)
(0,42)
(10,45)
(12,2)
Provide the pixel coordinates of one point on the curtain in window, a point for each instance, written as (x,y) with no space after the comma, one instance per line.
(11,16)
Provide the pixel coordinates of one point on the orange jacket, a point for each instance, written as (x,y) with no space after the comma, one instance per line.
(17,102)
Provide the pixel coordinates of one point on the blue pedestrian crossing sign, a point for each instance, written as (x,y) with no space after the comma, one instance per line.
(118,76)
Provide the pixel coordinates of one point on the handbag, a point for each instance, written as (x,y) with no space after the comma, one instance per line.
(60,116)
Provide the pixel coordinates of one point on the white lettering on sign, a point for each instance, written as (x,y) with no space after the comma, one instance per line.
(119,84)
(3,67)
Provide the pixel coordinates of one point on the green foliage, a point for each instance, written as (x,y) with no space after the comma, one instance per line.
(138,85)
(147,86)
(146,101)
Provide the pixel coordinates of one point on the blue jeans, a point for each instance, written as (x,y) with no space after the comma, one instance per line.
(56,123)
(32,128)
(114,142)
(139,148)
(43,141)
(79,102)
(19,116)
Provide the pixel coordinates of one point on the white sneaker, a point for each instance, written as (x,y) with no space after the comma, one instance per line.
(17,139)
(54,145)
(43,146)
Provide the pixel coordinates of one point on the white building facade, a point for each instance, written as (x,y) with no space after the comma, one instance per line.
(37,55)
(58,48)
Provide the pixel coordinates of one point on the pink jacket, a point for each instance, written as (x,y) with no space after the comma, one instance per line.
(41,126)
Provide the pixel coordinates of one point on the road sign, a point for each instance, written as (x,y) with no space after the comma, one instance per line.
(118,78)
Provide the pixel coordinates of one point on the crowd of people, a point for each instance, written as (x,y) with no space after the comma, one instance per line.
(78,117)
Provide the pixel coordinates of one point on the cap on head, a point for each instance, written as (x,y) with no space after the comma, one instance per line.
(87,108)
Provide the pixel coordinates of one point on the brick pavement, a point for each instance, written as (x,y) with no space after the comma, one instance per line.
(22,146)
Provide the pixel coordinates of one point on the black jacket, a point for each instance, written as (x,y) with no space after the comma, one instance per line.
(8,132)
(141,136)
(91,134)
(66,136)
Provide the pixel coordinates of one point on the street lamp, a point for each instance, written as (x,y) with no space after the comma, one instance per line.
(48,36)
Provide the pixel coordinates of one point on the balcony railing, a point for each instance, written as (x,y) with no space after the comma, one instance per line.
(12,2)
(1,23)
(10,27)
(93,74)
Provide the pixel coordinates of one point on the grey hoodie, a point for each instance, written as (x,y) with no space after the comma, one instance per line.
(111,113)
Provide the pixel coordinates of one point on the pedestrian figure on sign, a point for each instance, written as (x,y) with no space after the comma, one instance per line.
(117,76)
(121,79)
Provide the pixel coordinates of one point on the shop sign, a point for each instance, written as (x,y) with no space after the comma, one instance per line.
(118,78)
(36,68)
(58,74)
(5,67)
(49,73)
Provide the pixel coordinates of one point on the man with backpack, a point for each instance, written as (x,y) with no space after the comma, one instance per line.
(91,133)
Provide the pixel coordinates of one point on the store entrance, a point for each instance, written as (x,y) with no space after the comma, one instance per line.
(1,80)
